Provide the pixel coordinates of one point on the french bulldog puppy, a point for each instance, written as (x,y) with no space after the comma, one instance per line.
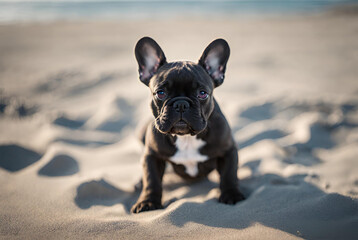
(189,130)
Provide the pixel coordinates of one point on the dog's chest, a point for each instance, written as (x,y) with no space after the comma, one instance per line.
(188,153)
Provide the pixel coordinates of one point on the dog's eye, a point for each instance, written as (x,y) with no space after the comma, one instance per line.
(203,95)
(160,94)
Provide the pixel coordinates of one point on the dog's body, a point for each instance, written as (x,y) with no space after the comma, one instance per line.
(189,129)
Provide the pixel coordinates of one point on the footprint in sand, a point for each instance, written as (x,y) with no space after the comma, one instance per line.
(13,158)
(76,124)
(68,123)
(260,112)
(101,193)
(114,115)
(60,165)
(15,107)
(269,134)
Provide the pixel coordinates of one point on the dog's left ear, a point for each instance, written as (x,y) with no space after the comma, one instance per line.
(214,59)
(150,58)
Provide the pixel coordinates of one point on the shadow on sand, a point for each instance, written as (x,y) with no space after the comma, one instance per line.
(102,193)
(60,165)
(14,158)
(288,204)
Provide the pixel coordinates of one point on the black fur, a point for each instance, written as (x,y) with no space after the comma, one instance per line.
(181,112)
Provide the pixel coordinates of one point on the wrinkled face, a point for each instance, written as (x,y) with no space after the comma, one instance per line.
(182,98)
(182,91)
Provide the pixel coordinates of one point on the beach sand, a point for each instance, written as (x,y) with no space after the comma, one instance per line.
(71,101)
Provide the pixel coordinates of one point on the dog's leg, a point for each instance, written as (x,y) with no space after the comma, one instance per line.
(151,196)
(227,167)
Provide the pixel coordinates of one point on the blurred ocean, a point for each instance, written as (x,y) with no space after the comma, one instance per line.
(19,11)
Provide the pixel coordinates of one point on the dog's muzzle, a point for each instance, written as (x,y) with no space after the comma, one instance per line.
(181,105)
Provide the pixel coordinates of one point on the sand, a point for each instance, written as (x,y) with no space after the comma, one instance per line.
(71,101)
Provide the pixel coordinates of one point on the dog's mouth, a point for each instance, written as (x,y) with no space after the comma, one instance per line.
(181,124)
(181,127)
(173,123)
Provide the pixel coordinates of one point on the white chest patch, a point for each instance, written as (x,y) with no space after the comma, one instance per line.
(188,153)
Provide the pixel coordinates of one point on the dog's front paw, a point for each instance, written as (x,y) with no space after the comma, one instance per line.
(231,197)
(147,205)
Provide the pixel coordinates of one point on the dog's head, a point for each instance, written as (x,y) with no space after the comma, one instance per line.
(182,91)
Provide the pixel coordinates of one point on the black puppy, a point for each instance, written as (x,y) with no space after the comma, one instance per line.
(189,130)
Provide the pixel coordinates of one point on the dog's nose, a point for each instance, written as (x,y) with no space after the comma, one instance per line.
(181,106)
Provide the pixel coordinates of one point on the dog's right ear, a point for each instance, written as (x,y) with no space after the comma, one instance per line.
(150,58)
